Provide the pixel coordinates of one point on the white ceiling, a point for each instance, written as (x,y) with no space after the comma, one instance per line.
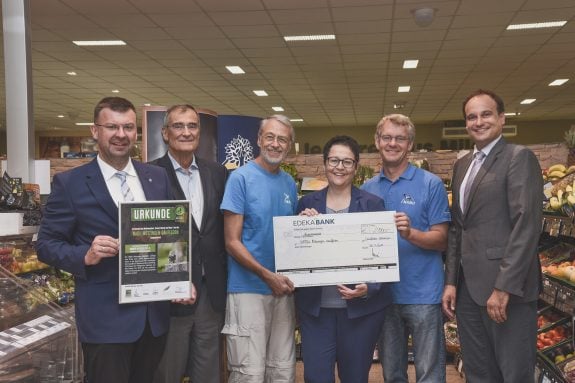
(177,51)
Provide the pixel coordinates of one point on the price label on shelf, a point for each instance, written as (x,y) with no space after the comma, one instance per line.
(566,299)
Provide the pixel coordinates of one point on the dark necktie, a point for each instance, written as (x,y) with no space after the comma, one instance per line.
(475,165)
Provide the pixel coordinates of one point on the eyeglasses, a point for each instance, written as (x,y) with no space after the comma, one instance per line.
(269,138)
(179,126)
(116,127)
(334,162)
(398,139)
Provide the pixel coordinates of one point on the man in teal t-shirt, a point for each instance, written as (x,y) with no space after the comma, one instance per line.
(260,316)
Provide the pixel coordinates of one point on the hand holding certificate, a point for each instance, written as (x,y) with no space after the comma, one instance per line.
(332,249)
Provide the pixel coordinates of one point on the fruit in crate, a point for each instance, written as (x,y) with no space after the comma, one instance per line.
(551,337)
(546,318)
(554,203)
(562,184)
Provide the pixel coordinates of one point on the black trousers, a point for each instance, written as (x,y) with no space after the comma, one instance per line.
(124,362)
(496,353)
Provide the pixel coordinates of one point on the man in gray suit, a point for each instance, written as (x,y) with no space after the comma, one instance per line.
(492,268)
(194,337)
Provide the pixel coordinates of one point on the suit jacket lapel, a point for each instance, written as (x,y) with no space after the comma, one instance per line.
(321,201)
(206,179)
(166,163)
(146,181)
(466,162)
(97,185)
(355,202)
(487,163)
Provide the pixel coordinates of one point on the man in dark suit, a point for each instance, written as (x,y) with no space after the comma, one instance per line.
(492,268)
(194,337)
(79,231)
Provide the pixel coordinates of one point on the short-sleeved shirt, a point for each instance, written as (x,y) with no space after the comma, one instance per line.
(422,196)
(259,196)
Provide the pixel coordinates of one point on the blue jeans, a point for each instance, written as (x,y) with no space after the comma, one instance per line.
(425,324)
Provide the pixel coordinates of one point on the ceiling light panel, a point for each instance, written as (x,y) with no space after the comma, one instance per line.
(546,24)
(558,82)
(528,101)
(260,93)
(403,89)
(410,64)
(278,108)
(309,38)
(234,69)
(98,43)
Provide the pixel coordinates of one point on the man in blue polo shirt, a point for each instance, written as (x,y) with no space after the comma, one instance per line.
(422,221)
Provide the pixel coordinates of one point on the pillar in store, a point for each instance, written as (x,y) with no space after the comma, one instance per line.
(18,89)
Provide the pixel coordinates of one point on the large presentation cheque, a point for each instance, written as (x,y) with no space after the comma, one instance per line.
(330,249)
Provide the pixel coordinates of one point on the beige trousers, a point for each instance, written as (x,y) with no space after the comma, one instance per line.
(260,338)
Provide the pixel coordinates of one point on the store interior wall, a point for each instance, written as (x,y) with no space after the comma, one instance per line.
(529,132)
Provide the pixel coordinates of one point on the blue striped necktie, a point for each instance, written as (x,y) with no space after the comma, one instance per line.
(126,192)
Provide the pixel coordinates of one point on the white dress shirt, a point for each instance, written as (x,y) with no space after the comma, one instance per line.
(113,183)
(191,184)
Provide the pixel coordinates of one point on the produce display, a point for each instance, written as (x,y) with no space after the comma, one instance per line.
(563,358)
(553,336)
(549,317)
(559,262)
(562,193)
(556,254)
(19,257)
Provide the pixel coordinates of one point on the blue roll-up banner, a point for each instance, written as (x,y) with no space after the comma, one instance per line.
(237,140)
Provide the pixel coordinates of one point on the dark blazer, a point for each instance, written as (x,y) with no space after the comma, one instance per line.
(80,208)
(208,246)
(495,240)
(308,299)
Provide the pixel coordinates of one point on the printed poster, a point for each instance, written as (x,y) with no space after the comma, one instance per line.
(155,251)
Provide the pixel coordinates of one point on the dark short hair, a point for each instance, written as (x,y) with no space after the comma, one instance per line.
(182,108)
(117,104)
(498,100)
(348,141)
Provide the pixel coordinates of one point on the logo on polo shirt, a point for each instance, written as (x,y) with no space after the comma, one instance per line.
(407,200)
(287,199)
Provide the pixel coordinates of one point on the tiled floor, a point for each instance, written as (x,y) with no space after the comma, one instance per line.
(376,377)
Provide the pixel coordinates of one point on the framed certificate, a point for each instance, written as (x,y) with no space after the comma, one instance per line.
(155,251)
(331,249)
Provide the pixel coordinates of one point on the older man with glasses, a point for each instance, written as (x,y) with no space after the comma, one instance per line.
(422,221)
(260,318)
(193,345)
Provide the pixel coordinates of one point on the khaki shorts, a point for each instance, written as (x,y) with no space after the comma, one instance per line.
(260,338)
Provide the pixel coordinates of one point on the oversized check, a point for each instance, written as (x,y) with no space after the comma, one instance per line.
(331,249)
